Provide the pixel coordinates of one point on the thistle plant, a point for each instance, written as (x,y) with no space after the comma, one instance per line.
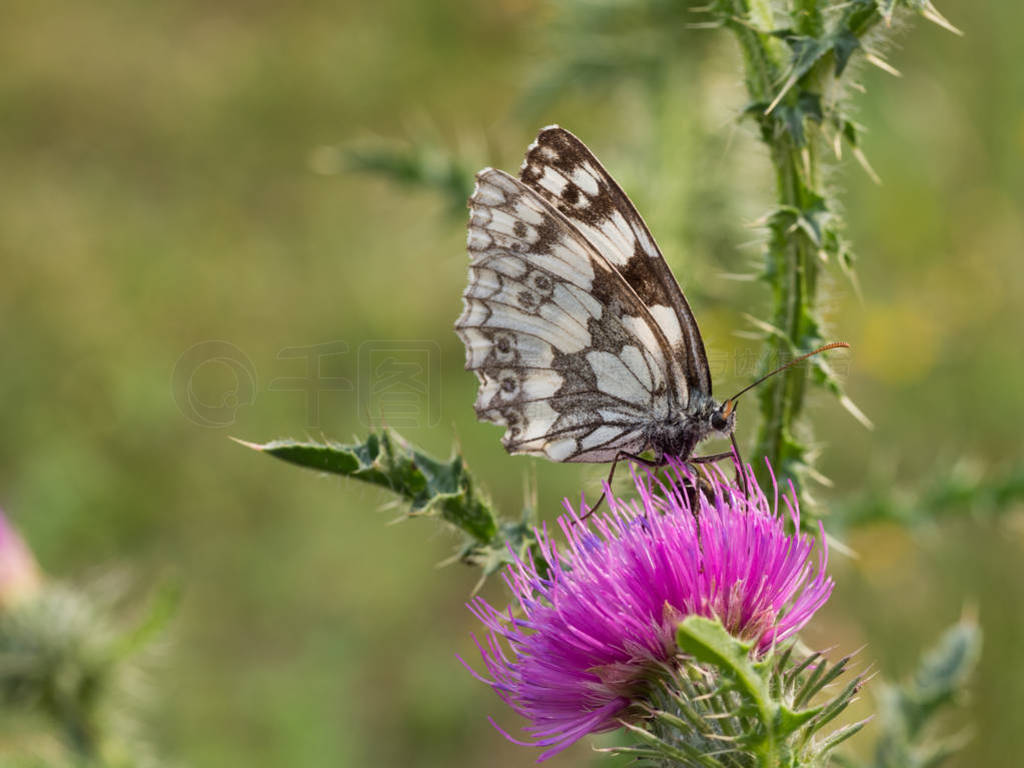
(673,615)
(593,629)
(71,666)
(796,59)
(432,488)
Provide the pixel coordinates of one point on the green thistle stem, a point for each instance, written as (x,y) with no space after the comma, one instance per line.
(791,93)
(762,57)
(793,269)
(790,268)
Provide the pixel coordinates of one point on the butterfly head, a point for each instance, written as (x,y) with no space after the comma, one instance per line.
(723,418)
(704,417)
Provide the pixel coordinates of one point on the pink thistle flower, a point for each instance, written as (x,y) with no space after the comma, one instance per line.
(590,626)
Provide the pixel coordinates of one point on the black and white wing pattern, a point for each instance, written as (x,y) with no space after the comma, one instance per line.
(569,358)
(561,168)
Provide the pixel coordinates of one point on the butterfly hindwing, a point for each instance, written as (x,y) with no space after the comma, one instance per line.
(568,357)
(562,170)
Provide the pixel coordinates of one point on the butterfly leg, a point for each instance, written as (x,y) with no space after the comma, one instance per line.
(611,474)
(734,454)
(709,459)
(741,472)
(699,483)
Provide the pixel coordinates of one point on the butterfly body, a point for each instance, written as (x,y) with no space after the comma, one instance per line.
(680,433)
(584,345)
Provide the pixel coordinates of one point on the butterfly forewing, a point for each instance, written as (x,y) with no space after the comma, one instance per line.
(569,358)
(562,170)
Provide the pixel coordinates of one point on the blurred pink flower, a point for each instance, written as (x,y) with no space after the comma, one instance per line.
(19,574)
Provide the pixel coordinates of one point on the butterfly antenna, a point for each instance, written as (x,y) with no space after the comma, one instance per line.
(790,364)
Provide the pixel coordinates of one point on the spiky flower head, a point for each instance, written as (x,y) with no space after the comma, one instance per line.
(591,623)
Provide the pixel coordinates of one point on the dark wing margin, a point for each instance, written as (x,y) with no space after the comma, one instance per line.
(562,170)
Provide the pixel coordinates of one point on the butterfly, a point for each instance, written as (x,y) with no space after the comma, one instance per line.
(584,345)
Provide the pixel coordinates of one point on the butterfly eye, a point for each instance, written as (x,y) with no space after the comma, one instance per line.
(718,421)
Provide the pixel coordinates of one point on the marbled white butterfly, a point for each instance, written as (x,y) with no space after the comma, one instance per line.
(584,345)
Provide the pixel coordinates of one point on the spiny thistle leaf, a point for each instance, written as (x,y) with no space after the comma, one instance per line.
(386,460)
(709,642)
(907,710)
(928,10)
(431,487)
(67,665)
(599,45)
(163,607)
(727,708)
(418,165)
(794,74)
(956,491)
(942,672)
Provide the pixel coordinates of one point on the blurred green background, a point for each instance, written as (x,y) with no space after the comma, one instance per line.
(174,174)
